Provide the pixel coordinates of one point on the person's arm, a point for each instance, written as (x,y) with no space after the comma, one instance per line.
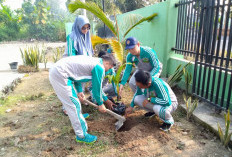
(71,51)
(98,74)
(138,92)
(128,69)
(163,98)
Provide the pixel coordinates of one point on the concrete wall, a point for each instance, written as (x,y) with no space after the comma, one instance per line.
(160,33)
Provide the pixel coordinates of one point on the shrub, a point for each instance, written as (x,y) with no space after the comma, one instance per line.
(31,56)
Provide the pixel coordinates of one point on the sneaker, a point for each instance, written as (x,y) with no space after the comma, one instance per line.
(85,115)
(166,127)
(149,114)
(89,139)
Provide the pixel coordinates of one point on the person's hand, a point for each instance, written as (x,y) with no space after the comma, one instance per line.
(102,108)
(81,96)
(120,90)
(128,111)
(145,102)
(109,104)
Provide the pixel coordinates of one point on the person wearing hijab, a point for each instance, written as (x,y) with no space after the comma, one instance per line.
(79,40)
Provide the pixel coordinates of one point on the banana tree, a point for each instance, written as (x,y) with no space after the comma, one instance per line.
(115,42)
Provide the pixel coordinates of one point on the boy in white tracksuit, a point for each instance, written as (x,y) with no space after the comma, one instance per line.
(72,71)
(155,95)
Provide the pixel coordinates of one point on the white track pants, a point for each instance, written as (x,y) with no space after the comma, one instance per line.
(65,91)
(164,113)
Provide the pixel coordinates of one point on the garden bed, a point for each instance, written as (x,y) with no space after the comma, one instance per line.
(37,127)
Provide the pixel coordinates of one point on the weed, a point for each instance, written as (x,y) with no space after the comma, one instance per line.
(225,137)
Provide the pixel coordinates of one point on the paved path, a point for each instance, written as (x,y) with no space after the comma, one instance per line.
(10,52)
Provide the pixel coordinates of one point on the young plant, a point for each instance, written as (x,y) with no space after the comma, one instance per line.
(225,138)
(188,80)
(44,59)
(57,54)
(117,78)
(190,106)
(31,56)
(177,76)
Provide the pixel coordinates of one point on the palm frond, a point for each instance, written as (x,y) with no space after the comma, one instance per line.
(148,19)
(98,40)
(130,20)
(117,49)
(93,8)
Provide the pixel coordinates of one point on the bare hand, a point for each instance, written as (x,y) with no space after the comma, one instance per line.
(81,96)
(102,108)
(145,102)
(109,104)
(128,111)
(120,90)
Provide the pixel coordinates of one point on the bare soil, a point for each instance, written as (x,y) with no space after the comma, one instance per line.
(37,127)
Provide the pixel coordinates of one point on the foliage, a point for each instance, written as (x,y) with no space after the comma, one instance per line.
(225,137)
(57,54)
(177,76)
(31,56)
(115,45)
(190,106)
(44,59)
(188,79)
(9,26)
(33,21)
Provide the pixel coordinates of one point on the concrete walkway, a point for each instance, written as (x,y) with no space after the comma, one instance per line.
(7,77)
(205,115)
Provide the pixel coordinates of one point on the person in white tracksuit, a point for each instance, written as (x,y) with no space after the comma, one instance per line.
(154,95)
(72,71)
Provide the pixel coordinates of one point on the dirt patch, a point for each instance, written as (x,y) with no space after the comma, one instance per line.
(37,127)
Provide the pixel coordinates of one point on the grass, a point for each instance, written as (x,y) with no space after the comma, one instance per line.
(11,101)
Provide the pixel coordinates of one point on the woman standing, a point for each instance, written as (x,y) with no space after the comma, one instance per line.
(79,40)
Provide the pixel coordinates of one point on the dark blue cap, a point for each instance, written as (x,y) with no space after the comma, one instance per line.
(131,42)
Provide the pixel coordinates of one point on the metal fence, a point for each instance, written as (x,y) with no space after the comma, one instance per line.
(204,34)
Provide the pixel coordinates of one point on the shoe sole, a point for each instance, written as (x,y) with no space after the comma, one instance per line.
(167,129)
(86,142)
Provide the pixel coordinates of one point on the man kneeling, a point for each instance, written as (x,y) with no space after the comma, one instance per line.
(154,95)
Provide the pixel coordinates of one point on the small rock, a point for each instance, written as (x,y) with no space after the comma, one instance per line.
(184,133)
(8,110)
(2,149)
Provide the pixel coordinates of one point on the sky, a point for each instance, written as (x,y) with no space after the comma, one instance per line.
(15,4)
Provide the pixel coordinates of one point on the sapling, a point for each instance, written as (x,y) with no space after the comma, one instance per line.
(190,106)
(225,138)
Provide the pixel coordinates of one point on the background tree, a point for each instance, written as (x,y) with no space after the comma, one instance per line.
(9,26)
